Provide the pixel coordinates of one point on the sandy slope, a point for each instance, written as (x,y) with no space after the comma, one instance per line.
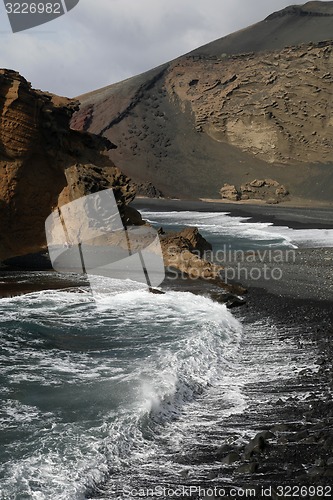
(255,104)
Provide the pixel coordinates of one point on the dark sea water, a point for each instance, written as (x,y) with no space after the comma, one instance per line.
(119,391)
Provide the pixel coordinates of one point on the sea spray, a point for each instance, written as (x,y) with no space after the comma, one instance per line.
(88,390)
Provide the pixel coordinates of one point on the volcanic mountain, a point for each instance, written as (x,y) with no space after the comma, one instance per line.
(254,105)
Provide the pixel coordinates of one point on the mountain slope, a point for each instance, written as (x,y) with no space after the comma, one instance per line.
(254,105)
(294,25)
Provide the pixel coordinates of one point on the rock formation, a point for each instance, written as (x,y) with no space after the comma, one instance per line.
(146,189)
(247,106)
(229,192)
(250,101)
(268,190)
(44,164)
(186,252)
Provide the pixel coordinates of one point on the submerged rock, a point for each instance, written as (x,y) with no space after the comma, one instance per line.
(231,458)
(249,468)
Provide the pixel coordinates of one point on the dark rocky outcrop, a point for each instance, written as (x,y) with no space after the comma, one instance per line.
(147,190)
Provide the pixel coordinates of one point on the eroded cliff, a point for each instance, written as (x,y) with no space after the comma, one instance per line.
(44,164)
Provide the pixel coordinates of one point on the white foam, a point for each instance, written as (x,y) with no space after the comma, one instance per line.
(174,349)
(221,223)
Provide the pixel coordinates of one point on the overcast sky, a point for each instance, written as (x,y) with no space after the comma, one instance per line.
(101,42)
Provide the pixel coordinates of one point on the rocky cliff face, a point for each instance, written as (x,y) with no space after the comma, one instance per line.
(275,106)
(44,164)
(254,105)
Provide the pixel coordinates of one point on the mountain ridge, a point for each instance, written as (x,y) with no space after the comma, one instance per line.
(211,117)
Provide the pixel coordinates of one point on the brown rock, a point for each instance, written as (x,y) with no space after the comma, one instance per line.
(246,188)
(45,164)
(271,182)
(257,183)
(263,189)
(229,192)
(186,251)
(197,241)
(281,191)
(147,190)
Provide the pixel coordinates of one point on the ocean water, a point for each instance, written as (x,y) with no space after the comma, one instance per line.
(87,388)
(98,396)
(221,230)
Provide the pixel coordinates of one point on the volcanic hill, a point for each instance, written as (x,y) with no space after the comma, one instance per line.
(254,105)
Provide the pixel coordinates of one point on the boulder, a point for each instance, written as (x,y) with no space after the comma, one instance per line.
(256,446)
(265,435)
(147,190)
(271,182)
(259,189)
(197,241)
(258,183)
(263,189)
(186,251)
(231,458)
(281,191)
(246,188)
(229,192)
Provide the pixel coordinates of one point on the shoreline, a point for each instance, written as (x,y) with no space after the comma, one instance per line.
(295,218)
(285,435)
(295,203)
(287,440)
(259,202)
(294,447)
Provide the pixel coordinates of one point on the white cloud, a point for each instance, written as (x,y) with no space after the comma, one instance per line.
(103,41)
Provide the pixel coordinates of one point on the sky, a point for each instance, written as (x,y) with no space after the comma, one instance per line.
(100,42)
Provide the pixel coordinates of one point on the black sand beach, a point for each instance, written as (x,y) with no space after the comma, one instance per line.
(294,217)
(287,442)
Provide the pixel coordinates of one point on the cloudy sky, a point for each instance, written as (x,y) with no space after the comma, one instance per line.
(100,42)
